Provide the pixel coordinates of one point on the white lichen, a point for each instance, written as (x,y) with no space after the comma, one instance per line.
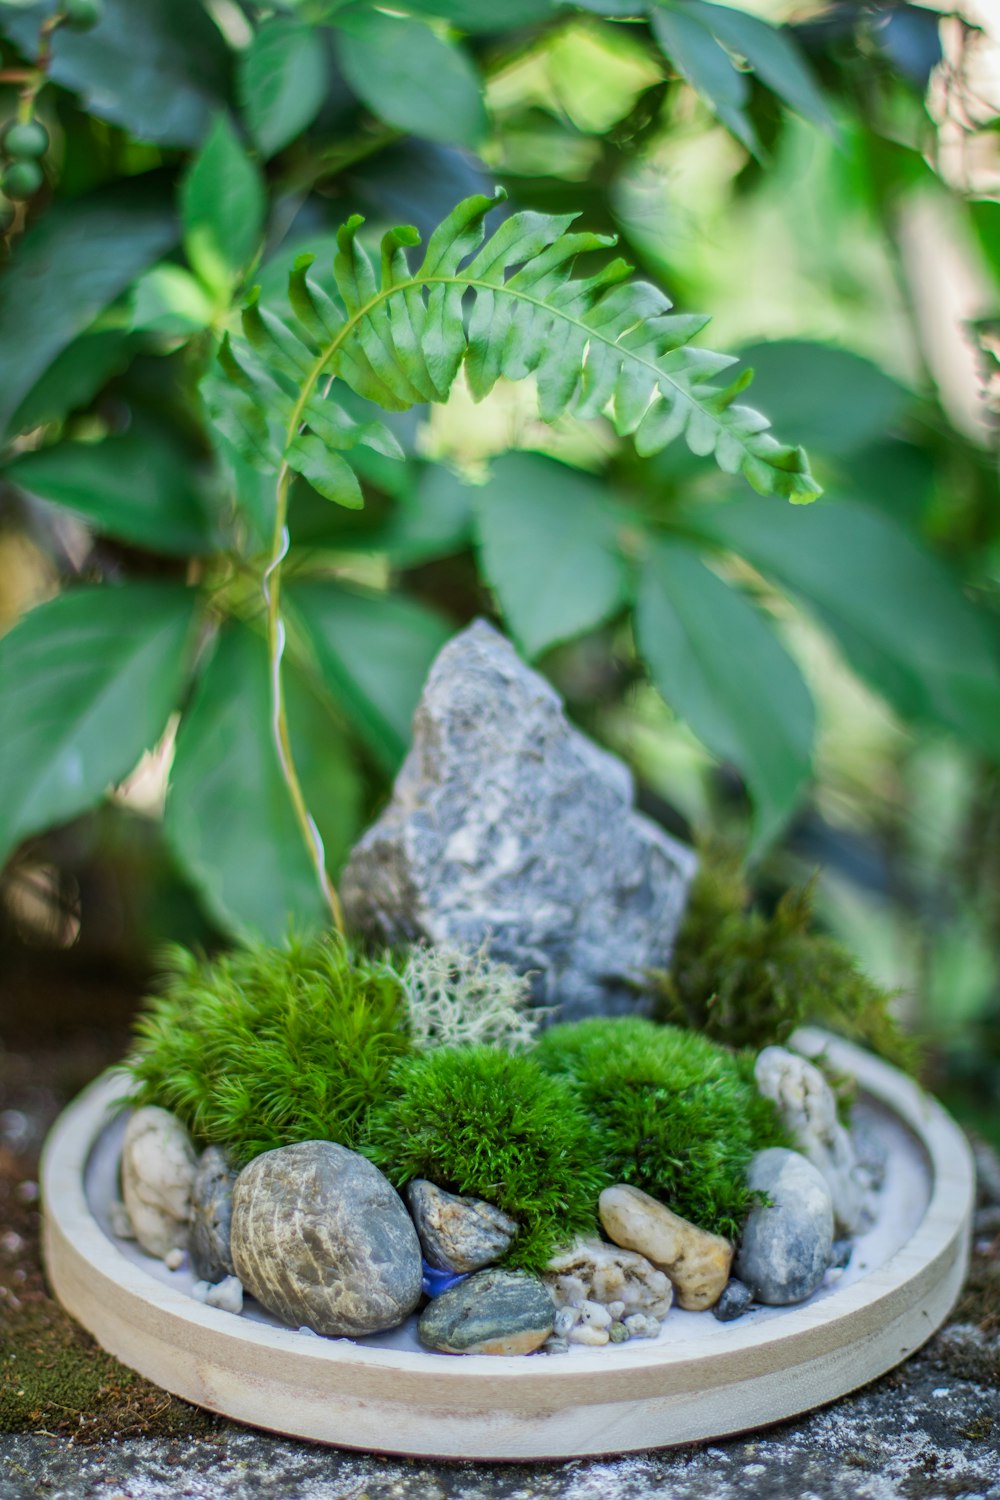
(458,996)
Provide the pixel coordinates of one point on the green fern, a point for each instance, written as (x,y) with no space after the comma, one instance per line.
(509,306)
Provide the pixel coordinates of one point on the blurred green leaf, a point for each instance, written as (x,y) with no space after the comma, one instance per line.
(411,77)
(374,652)
(825,398)
(473,15)
(704,62)
(159,68)
(74,377)
(985,215)
(436,521)
(771,51)
(325,470)
(901,619)
(169,300)
(720,666)
(229,816)
(138,487)
(87,683)
(548,538)
(66,270)
(282,81)
(222,205)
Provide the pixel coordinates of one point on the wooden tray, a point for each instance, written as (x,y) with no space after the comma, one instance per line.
(701,1379)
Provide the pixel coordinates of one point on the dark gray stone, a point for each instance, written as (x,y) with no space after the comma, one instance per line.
(458,1234)
(211,1217)
(840,1254)
(509,824)
(787,1239)
(734,1302)
(322,1239)
(492,1312)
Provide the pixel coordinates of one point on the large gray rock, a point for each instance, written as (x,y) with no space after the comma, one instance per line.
(321,1238)
(788,1237)
(508,823)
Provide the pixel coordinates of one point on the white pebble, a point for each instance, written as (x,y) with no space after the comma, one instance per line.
(565,1319)
(641,1326)
(227,1296)
(586,1333)
(174,1259)
(200,1290)
(596,1315)
(616,1309)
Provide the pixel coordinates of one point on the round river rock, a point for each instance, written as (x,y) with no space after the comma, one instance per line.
(492,1312)
(321,1238)
(788,1237)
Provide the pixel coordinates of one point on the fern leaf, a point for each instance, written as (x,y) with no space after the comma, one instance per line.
(506,305)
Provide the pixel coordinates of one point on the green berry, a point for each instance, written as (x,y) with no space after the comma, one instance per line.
(25,140)
(83,15)
(22,179)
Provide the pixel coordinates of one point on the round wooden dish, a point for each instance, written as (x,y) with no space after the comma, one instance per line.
(701,1379)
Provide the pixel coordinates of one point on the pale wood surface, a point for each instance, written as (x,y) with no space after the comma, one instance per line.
(646,1395)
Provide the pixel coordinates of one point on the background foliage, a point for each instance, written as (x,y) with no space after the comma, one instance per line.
(823,680)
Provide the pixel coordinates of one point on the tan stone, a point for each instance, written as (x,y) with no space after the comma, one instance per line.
(696,1262)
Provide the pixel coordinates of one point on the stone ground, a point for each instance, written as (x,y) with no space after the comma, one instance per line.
(74,1424)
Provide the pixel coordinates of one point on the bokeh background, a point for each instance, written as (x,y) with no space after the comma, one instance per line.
(828,189)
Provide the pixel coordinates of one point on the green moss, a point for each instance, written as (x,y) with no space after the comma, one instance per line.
(263,1046)
(492,1125)
(54,1378)
(679,1116)
(747,979)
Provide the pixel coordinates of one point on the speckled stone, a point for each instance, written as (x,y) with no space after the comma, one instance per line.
(211,1217)
(320,1237)
(787,1241)
(492,1312)
(735,1300)
(591,1271)
(458,1234)
(697,1262)
(158,1167)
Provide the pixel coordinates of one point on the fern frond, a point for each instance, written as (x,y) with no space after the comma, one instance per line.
(507,305)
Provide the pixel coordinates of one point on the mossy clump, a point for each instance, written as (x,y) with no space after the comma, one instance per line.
(493,1125)
(263,1047)
(748,979)
(678,1116)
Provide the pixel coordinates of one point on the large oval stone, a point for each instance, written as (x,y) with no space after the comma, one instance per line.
(697,1262)
(158,1167)
(321,1238)
(788,1238)
(492,1312)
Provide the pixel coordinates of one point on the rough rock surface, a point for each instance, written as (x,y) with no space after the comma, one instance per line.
(321,1238)
(806,1104)
(458,1234)
(507,823)
(158,1166)
(592,1271)
(697,1262)
(734,1302)
(492,1312)
(787,1241)
(211,1216)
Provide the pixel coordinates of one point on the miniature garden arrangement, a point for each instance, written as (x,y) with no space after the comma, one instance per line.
(529,1093)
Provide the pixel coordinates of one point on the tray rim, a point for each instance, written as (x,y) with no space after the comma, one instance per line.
(507,1406)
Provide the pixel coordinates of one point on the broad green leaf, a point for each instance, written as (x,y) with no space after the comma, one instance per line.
(325,470)
(373,652)
(87,683)
(137,487)
(74,377)
(327,767)
(222,206)
(900,617)
(473,15)
(160,68)
(706,65)
(719,664)
(771,51)
(436,521)
(548,538)
(411,77)
(170,301)
(78,257)
(282,81)
(826,398)
(229,816)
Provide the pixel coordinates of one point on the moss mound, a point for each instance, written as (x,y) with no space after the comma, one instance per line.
(263,1047)
(492,1125)
(748,979)
(678,1116)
